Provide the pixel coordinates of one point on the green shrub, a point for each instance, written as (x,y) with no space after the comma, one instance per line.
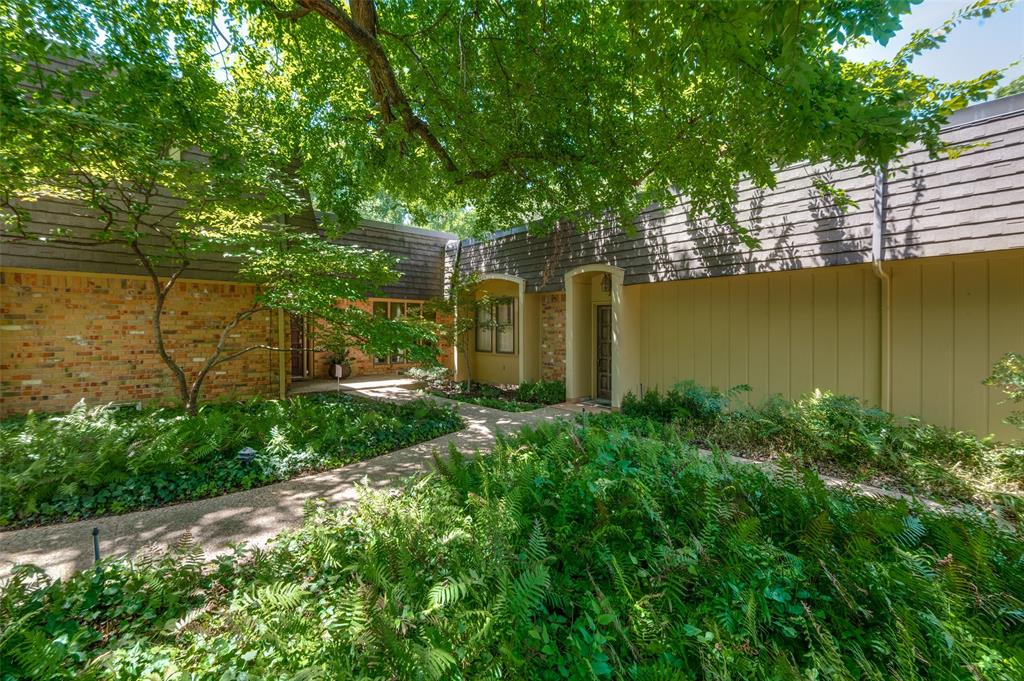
(99,460)
(570,552)
(505,398)
(541,392)
(1008,376)
(840,435)
(687,402)
(432,377)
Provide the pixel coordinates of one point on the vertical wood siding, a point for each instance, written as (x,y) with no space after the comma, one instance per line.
(789,333)
(952,319)
(785,333)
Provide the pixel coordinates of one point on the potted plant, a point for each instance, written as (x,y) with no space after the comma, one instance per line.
(341,365)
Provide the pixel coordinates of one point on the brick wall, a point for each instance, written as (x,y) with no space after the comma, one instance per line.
(362,364)
(552,336)
(68,336)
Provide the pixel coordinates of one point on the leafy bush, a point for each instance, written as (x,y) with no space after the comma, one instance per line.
(839,435)
(1008,376)
(686,401)
(541,392)
(505,398)
(99,460)
(571,552)
(434,378)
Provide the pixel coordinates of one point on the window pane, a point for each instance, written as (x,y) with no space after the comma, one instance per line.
(504,312)
(397,310)
(506,338)
(414,309)
(483,329)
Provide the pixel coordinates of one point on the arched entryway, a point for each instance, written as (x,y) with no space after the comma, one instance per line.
(496,349)
(593,322)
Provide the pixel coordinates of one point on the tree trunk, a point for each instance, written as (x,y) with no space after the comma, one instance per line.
(161,291)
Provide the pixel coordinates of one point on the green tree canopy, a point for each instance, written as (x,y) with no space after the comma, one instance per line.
(585,108)
(526,110)
(1014,87)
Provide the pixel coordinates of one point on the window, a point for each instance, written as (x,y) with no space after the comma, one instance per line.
(496,327)
(484,329)
(395,309)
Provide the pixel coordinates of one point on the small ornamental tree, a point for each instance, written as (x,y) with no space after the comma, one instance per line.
(120,133)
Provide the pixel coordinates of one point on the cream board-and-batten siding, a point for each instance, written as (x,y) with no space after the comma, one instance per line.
(808,310)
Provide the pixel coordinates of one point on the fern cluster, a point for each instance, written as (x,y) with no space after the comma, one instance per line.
(105,459)
(838,435)
(541,391)
(569,552)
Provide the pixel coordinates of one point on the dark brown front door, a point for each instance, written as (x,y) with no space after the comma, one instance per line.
(604,352)
(298,345)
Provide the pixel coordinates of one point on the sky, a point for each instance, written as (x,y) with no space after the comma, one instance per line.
(971,49)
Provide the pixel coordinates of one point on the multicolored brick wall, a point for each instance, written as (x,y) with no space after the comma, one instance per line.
(552,336)
(69,336)
(362,364)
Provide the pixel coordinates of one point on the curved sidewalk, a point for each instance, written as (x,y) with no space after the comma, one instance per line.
(255,515)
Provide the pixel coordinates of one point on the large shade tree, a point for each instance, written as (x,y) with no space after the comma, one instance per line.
(588,109)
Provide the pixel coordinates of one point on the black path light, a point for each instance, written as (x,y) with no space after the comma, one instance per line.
(246,455)
(96,547)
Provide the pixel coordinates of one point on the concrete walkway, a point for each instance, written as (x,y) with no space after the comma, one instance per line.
(256,515)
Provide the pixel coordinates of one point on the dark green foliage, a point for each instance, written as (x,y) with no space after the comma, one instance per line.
(570,552)
(839,435)
(541,392)
(686,401)
(1008,376)
(99,460)
(526,396)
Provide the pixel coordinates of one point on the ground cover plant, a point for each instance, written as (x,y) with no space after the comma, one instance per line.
(504,398)
(570,552)
(104,459)
(526,396)
(838,435)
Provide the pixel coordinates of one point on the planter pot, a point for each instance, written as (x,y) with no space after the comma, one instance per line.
(342,370)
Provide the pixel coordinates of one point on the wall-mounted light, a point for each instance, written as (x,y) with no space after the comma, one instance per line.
(606,283)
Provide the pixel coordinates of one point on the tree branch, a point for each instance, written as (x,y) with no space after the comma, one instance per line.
(361,29)
(293,14)
(215,358)
(161,292)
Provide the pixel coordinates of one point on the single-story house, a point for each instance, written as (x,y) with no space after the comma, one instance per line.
(904,299)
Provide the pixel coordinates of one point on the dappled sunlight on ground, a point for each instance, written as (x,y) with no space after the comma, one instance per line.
(256,515)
